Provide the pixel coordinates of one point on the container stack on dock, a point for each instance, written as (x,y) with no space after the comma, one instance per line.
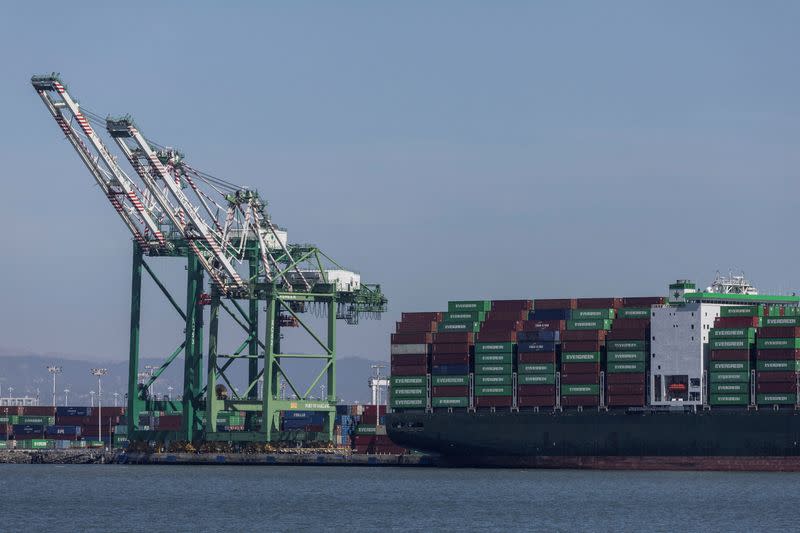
(410,356)
(731,342)
(628,353)
(778,360)
(495,351)
(453,348)
(582,349)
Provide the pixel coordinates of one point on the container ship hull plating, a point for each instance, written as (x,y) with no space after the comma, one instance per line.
(763,440)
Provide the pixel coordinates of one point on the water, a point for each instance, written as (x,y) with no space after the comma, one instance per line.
(275,498)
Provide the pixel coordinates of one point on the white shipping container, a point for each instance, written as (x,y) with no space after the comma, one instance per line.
(409,349)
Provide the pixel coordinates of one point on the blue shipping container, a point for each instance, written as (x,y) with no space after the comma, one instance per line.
(551,314)
(539,335)
(537,346)
(63,430)
(73,411)
(27,429)
(450,370)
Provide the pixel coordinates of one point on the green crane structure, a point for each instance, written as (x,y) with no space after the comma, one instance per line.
(256,278)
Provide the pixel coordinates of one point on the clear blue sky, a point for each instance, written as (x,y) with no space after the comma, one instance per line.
(448,150)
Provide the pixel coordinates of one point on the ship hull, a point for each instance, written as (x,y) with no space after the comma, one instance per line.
(638,440)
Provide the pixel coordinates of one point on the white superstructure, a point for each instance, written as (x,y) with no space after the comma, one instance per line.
(678,338)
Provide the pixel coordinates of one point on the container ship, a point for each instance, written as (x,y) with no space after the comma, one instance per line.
(697,379)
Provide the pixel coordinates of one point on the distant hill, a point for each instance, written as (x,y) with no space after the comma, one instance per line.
(28,373)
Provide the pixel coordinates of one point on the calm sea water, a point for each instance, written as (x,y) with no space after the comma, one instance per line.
(273,498)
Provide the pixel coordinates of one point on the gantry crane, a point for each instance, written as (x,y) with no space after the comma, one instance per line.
(224,232)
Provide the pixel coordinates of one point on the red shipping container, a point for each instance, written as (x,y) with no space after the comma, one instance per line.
(508,316)
(409,359)
(625,389)
(643,301)
(626,401)
(581,346)
(736,322)
(631,323)
(459,348)
(730,355)
(625,377)
(776,386)
(38,410)
(404,370)
(779,332)
(113,411)
(370,414)
(536,401)
(554,303)
(10,410)
(411,327)
(502,325)
(536,390)
(599,303)
(497,336)
(493,401)
(585,401)
(580,379)
(411,338)
(450,391)
(450,359)
(431,316)
(782,354)
(454,337)
(548,325)
(580,368)
(537,357)
(628,334)
(584,335)
(512,305)
(363,440)
(765,377)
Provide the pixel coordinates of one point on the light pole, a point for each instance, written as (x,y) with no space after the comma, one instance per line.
(66,397)
(116,398)
(10,392)
(54,370)
(150,370)
(92,393)
(99,372)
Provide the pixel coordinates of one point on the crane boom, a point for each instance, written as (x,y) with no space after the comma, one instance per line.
(115,183)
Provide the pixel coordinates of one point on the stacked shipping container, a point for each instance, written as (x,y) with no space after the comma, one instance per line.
(731,343)
(778,360)
(410,357)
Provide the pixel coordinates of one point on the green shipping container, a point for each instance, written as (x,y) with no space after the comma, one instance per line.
(408,381)
(409,403)
(778,344)
(450,402)
(3,444)
(784,365)
(730,399)
(593,314)
(729,377)
(493,390)
(536,379)
(580,390)
(41,444)
(537,368)
(730,344)
(730,388)
(580,357)
(741,310)
(458,326)
(494,358)
(626,357)
(627,345)
(415,392)
(621,368)
(634,312)
(493,379)
(776,399)
(581,324)
(464,316)
(494,347)
(493,369)
(469,305)
(363,429)
(782,321)
(732,333)
(449,381)
(729,366)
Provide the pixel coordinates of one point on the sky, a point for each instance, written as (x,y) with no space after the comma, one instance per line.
(446,150)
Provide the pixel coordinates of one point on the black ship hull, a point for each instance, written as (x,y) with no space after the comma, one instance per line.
(720,439)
